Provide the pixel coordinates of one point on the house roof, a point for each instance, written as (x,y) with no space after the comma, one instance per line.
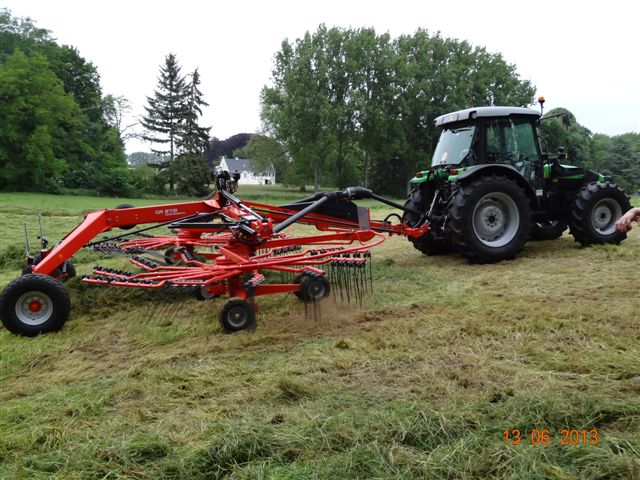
(243,165)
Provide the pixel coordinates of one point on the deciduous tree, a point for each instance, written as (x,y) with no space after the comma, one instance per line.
(37,124)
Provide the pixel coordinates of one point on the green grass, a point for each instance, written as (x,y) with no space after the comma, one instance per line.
(419,382)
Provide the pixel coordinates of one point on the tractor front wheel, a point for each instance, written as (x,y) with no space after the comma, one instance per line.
(594,213)
(490,219)
(34,304)
(237,315)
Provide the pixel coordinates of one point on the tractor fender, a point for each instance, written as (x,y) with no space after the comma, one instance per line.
(503,170)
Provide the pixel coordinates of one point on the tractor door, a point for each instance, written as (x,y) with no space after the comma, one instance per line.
(512,141)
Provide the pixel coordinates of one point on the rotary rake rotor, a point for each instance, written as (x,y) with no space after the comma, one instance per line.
(220,246)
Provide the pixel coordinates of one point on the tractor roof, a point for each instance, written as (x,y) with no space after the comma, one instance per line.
(471,113)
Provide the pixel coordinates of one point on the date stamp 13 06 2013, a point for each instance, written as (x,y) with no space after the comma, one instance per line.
(545,436)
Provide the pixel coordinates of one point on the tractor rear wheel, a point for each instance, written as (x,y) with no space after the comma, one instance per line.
(34,304)
(237,315)
(549,230)
(427,244)
(490,219)
(595,210)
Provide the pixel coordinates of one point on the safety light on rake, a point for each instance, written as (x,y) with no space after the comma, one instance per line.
(220,246)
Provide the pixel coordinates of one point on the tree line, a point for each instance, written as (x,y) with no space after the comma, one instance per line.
(617,156)
(352,106)
(346,106)
(60,134)
(56,129)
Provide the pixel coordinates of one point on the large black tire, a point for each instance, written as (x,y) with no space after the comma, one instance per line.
(418,200)
(34,304)
(237,315)
(595,210)
(549,230)
(490,219)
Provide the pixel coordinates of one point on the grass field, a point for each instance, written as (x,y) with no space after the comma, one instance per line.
(419,382)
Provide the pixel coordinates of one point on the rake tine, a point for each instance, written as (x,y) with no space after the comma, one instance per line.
(348,282)
(356,285)
(334,280)
(370,262)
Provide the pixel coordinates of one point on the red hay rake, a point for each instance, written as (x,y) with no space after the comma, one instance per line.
(220,246)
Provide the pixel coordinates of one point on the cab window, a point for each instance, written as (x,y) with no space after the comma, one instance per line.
(511,141)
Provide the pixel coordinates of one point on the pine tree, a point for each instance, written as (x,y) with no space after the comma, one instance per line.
(194,138)
(192,173)
(166,113)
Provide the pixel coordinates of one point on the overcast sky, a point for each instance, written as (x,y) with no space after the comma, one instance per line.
(580,55)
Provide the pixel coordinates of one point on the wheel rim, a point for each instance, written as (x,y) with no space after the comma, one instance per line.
(204,293)
(604,215)
(237,316)
(34,308)
(496,219)
(316,290)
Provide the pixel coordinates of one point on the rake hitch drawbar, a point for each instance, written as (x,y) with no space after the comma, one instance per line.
(220,246)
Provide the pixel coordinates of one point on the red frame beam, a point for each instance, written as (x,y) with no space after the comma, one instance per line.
(102,220)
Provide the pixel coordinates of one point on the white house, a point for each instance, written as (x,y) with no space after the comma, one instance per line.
(248,175)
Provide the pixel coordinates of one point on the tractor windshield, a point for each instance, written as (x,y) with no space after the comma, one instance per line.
(454,146)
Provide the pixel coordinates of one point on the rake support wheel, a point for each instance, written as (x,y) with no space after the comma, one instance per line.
(63,273)
(237,315)
(34,304)
(120,207)
(313,288)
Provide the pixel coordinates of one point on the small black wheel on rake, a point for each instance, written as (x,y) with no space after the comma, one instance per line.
(63,273)
(170,256)
(313,288)
(237,315)
(298,279)
(203,294)
(121,207)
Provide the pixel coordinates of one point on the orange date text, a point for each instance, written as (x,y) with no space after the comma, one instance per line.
(545,436)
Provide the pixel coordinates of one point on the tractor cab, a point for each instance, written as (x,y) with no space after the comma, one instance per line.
(491,135)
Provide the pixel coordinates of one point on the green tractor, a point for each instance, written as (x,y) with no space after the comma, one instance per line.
(490,189)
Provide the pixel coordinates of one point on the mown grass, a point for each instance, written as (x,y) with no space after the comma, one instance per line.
(419,382)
